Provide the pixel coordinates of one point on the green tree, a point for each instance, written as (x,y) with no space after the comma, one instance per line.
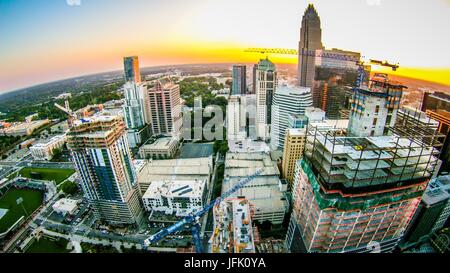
(69,188)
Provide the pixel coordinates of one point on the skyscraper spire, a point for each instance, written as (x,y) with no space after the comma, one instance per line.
(310,40)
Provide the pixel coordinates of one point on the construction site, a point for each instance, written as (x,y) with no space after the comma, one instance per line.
(233,231)
(363,184)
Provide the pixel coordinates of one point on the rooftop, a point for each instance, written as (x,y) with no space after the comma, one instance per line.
(180,169)
(438,190)
(197,150)
(176,188)
(160,143)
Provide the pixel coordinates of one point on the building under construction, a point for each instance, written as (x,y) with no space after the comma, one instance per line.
(102,158)
(357,190)
(233,231)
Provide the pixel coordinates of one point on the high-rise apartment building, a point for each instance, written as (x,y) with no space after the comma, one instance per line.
(132,71)
(164,107)
(102,158)
(353,189)
(265,86)
(234,118)
(239,86)
(310,41)
(287,101)
(133,107)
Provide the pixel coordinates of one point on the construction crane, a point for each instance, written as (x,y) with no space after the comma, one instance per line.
(193,219)
(71,116)
(313,53)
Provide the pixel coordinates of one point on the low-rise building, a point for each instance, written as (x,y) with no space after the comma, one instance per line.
(23,128)
(185,169)
(160,148)
(66,206)
(266,192)
(44,150)
(175,197)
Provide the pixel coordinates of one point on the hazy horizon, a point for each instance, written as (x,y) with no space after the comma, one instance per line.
(47,41)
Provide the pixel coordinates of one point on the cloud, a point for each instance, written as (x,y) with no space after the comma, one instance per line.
(73,2)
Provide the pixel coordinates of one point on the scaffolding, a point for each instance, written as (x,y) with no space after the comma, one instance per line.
(357,165)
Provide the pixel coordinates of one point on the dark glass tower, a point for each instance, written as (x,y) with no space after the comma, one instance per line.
(310,41)
(131,67)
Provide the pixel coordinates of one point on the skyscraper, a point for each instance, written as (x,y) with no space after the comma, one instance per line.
(102,158)
(239,86)
(133,106)
(354,189)
(265,86)
(164,107)
(335,72)
(310,40)
(433,211)
(287,101)
(132,71)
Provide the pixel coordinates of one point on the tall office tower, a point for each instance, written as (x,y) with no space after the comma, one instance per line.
(292,151)
(239,86)
(374,110)
(336,72)
(310,40)
(102,158)
(164,107)
(353,192)
(287,101)
(132,71)
(433,211)
(133,107)
(266,84)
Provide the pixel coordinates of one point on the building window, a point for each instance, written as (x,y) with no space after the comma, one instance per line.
(377,109)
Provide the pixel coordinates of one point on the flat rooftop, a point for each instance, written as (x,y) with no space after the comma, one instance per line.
(197,150)
(160,143)
(183,168)
(438,190)
(176,188)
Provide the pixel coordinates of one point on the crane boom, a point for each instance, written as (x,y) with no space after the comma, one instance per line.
(321,54)
(71,116)
(191,219)
(65,110)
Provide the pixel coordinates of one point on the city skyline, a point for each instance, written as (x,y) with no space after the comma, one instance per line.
(60,39)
